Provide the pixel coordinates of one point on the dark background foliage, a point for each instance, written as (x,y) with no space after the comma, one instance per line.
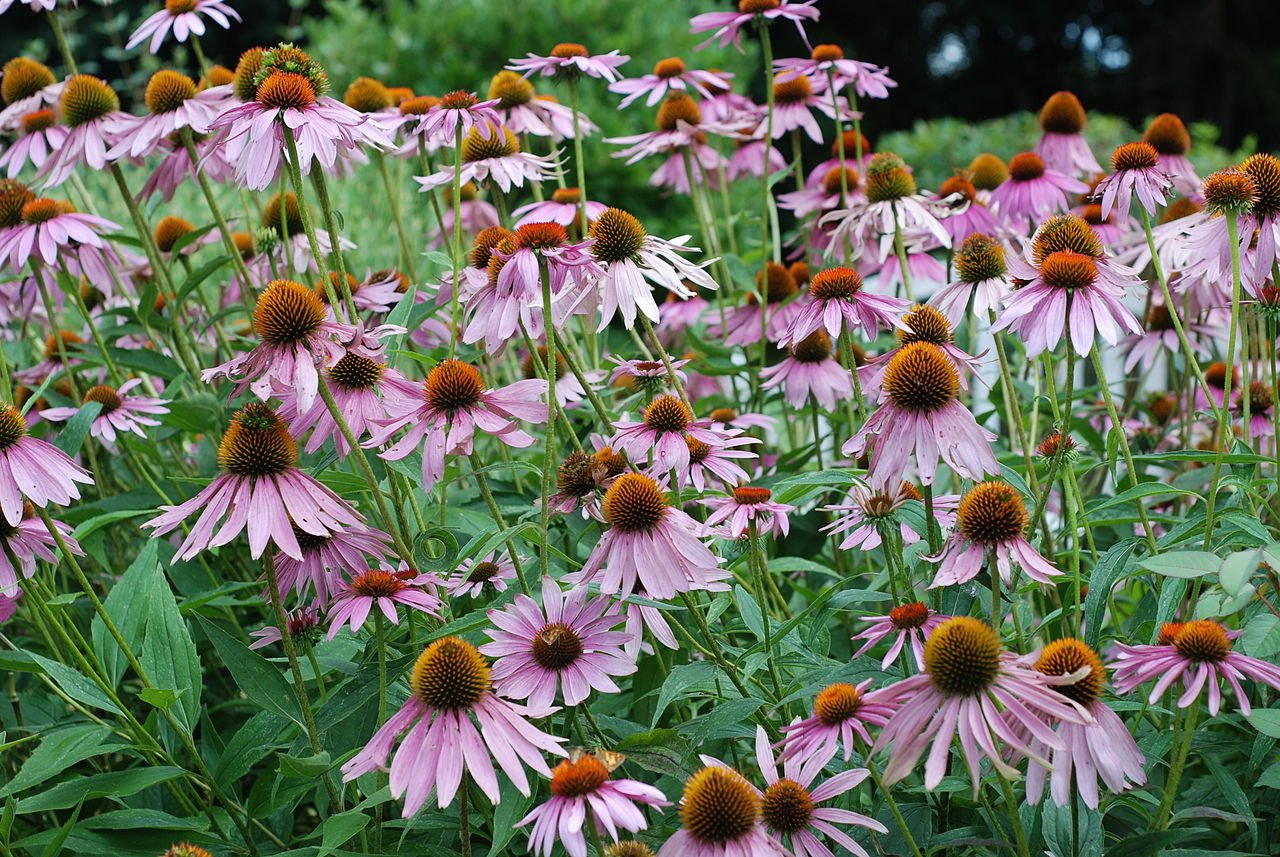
(1209,60)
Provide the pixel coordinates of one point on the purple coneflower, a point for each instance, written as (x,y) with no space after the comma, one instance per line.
(475,577)
(303,626)
(810,371)
(1172,143)
(975,218)
(324,559)
(794,100)
(290,93)
(565,207)
(121,412)
(582,479)
(454,111)
(1068,294)
(26,541)
(1136,173)
(748,505)
(867,515)
(717,465)
(670,74)
(1103,749)
(26,86)
(649,543)
(524,111)
(173,104)
(906,623)
(1159,335)
(452,404)
(1032,192)
(53,232)
(583,792)
(367,392)
(381,588)
(261,488)
(184,18)
(720,816)
(981,283)
(569,61)
(1063,147)
(920,416)
(990,521)
(569,641)
(790,805)
(726,27)
(972,687)
(630,257)
(451,694)
(742,324)
(492,152)
(660,434)
(33,469)
(839,304)
(91,109)
(39,136)
(868,80)
(1200,654)
(892,203)
(295,337)
(841,712)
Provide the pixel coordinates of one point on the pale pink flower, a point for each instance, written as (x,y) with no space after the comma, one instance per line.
(456,724)
(906,623)
(381,588)
(121,411)
(670,74)
(184,18)
(726,27)
(841,712)
(568,641)
(570,61)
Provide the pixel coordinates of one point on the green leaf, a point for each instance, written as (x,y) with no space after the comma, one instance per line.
(169,654)
(1261,637)
(75,684)
(260,681)
(1186,565)
(128,604)
(113,785)
(750,612)
(1238,569)
(252,742)
(73,434)
(1266,721)
(60,750)
(1270,777)
(1139,491)
(1111,567)
(54,848)
(339,830)
(683,680)
(160,697)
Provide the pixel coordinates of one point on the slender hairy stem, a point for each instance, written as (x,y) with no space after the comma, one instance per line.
(1225,439)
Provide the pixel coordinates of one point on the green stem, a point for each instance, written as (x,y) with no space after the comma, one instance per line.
(1011,805)
(393,202)
(228,240)
(1224,439)
(362,462)
(548,463)
(477,470)
(1124,447)
(61,38)
(1182,748)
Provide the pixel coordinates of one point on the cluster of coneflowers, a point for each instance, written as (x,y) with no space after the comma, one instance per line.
(896,348)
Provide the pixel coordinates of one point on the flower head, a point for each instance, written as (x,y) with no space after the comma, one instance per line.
(568,641)
(1200,654)
(990,521)
(569,61)
(183,18)
(451,692)
(581,786)
(971,687)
